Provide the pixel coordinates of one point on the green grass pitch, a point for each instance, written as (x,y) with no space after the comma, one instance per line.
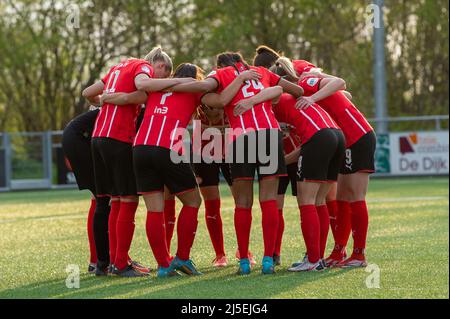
(43,232)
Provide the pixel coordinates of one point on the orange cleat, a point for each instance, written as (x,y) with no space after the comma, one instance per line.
(220,261)
(355,261)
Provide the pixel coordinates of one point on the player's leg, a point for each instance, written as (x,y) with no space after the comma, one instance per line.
(360,160)
(324,217)
(208,178)
(269,172)
(170,217)
(355,194)
(268,193)
(100,229)
(180,180)
(243,200)
(150,184)
(310,226)
(332,208)
(156,232)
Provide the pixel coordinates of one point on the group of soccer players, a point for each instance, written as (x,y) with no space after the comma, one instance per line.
(303,119)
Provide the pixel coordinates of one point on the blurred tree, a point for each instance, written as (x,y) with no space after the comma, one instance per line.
(51,49)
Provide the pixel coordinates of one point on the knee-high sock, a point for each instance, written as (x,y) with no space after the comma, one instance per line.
(269,225)
(214,225)
(324,218)
(242,225)
(101,230)
(310,225)
(279,233)
(360,225)
(156,235)
(112,235)
(169,220)
(90,232)
(343,223)
(186,229)
(332,211)
(125,231)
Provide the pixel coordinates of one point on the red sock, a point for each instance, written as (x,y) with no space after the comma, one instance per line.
(242,225)
(169,220)
(311,231)
(214,225)
(343,223)
(90,231)
(332,212)
(156,235)
(125,231)
(270,226)
(279,233)
(186,228)
(324,218)
(112,222)
(360,225)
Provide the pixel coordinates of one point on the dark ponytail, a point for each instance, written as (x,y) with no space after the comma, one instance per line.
(265,56)
(230,59)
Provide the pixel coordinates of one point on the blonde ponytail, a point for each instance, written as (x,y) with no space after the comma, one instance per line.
(287,67)
(158,55)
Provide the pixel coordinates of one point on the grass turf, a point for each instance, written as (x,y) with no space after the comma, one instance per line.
(43,232)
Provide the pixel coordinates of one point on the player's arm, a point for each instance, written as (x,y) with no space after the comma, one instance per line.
(348,95)
(92,93)
(144,83)
(136,97)
(327,87)
(206,85)
(267,94)
(215,100)
(291,88)
(293,156)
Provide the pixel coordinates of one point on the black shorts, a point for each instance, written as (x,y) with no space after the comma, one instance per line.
(321,157)
(290,178)
(154,169)
(113,167)
(360,157)
(246,162)
(77,149)
(209,173)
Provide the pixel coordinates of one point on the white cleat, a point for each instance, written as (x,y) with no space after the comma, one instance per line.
(307,266)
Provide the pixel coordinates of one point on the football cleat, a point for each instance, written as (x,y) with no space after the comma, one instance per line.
(91,268)
(304,260)
(164,272)
(139,267)
(268,267)
(353,262)
(277,260)
(186,266)
(220,261)
(102,269)
(128,272)
(244,267)
(250,257)
(307,266)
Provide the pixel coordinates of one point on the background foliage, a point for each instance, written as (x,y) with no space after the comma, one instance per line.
(45,63)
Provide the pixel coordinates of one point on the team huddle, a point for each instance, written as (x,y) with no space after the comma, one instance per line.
(302,119)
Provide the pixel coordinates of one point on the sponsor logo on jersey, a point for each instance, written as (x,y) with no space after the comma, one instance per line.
(312,81)
(146,69)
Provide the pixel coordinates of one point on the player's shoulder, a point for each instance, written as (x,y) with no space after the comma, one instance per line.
(287,99)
